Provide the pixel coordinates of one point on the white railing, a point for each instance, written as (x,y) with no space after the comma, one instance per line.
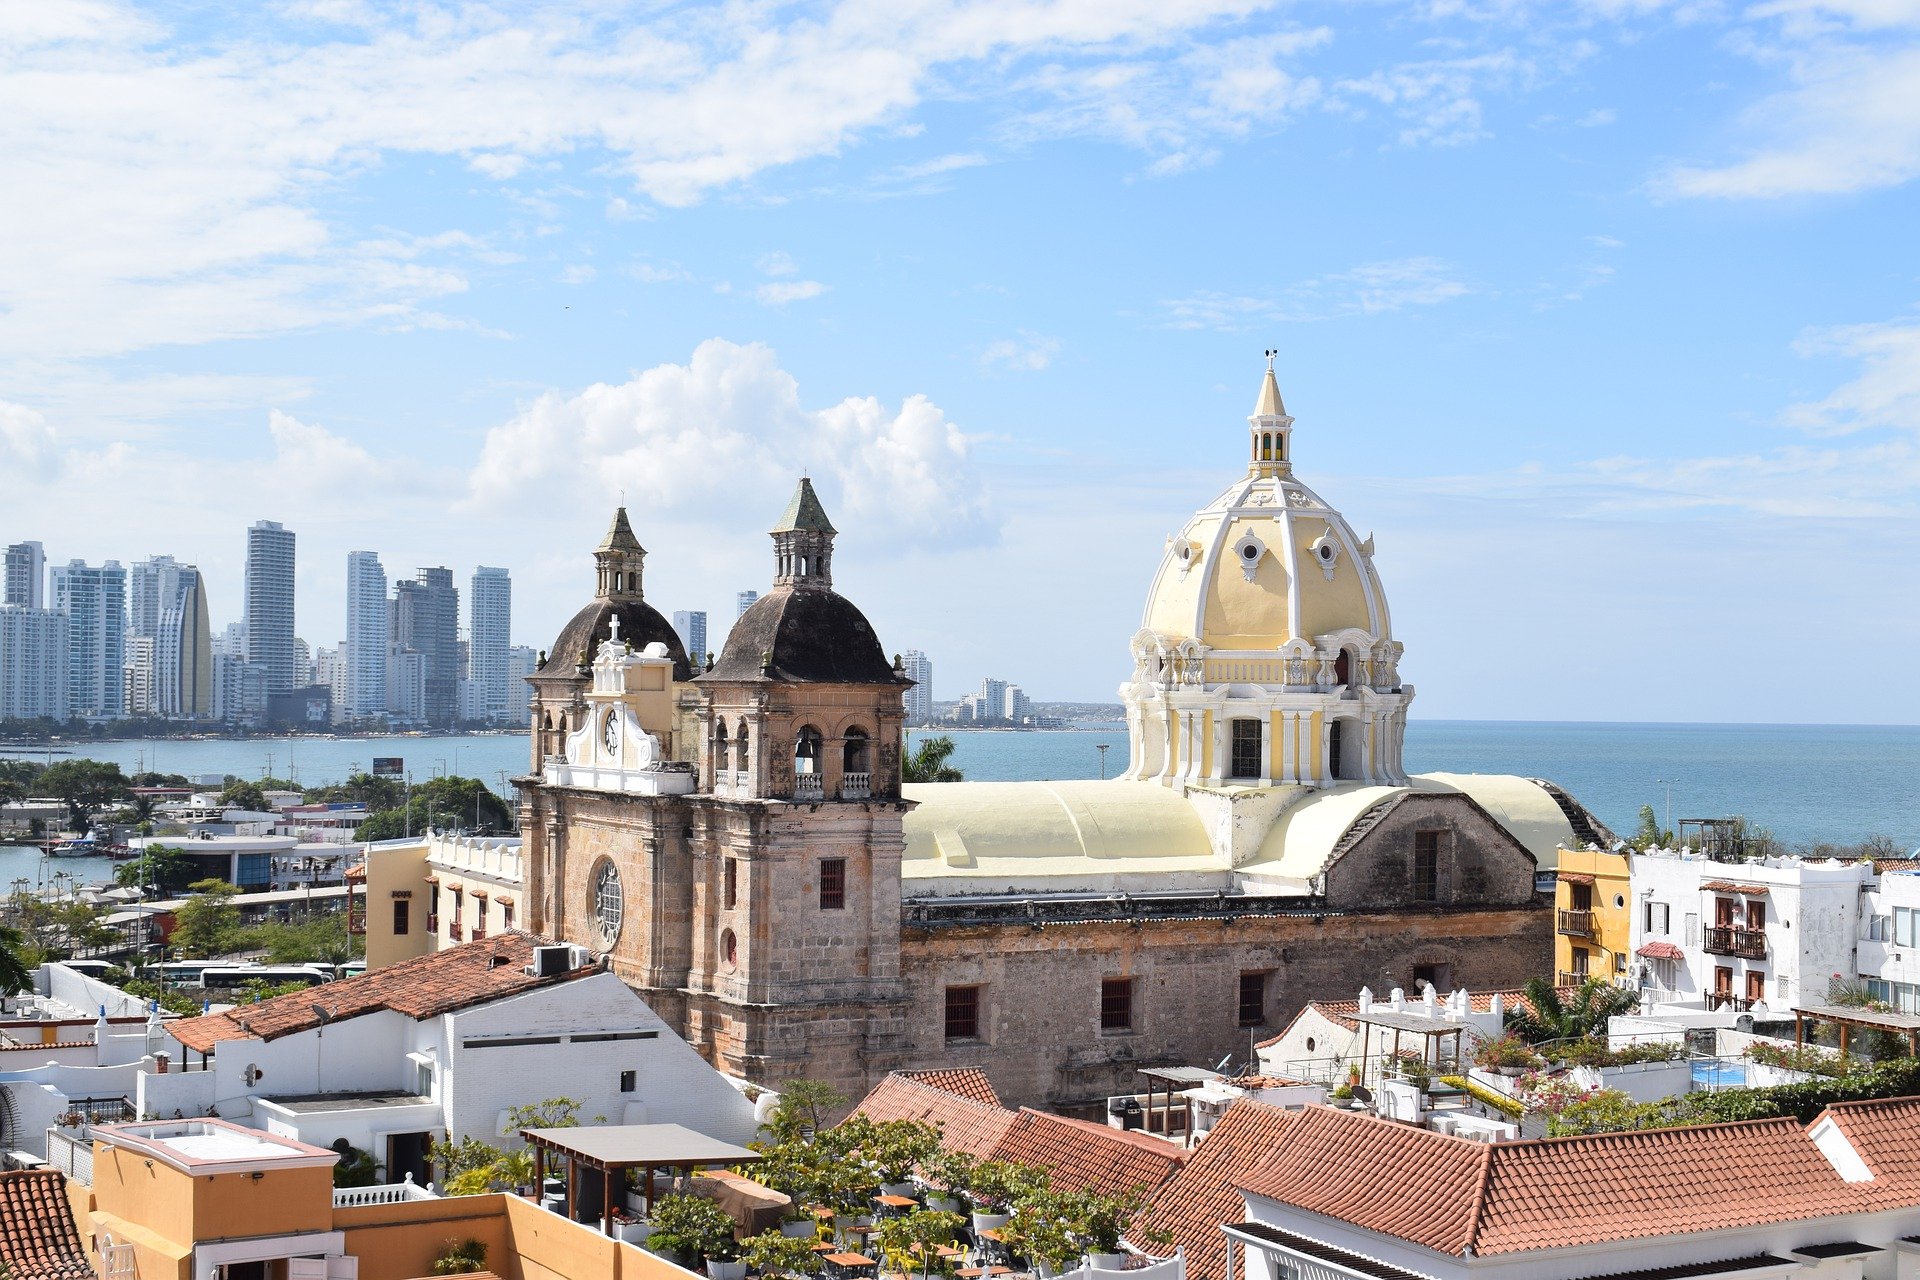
(808,784)
(856,786)
(390,1193)
(71,1155)
(117,1262)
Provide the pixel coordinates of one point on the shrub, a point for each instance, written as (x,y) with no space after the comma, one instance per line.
(693,1227)
(461,1257)
(996,1184)
(772,1254)
(1508,1051)
(1808,1058)
(915,1239)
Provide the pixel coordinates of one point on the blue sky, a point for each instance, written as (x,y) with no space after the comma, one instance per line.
(1602,317)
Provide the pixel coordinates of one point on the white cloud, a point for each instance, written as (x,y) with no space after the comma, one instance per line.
(778,293)
(1371,288)
(1028,352)
(1886,394)
(777,263)
(497,165)
(578,273)
(709,443)
(26,441)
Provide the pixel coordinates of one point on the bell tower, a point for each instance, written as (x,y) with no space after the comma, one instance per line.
(619,560)
(1270,437)
(803,542)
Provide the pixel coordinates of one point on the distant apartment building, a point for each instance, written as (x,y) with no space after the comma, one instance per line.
(426,620)
(363,654)
(1015,705)
(692,628)
(302,663)
(137,682)
(25,576)
(489,640)
(268,606)
(239,690)
(743,602)
(406,685)
(172,676)
(330,669)
(522,661)
(33,663)
(94,598)
(919,699)
(231,640)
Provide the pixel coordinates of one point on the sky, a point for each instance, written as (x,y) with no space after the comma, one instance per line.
(1601,317)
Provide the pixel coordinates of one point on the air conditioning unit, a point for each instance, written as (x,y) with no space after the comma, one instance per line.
(551,962)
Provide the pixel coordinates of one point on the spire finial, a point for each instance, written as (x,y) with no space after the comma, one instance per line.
(1271,353)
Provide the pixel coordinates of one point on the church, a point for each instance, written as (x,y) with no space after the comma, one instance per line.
(737,841)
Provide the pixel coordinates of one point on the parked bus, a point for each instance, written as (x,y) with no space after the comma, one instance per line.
(235,977)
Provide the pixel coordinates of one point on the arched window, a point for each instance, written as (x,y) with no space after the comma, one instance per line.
(1346,750)
(1343,668)
(806,751)
(721,760)
(1266,446)
(740,753)
(854,754)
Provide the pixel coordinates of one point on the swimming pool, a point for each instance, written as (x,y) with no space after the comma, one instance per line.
(1712,1073)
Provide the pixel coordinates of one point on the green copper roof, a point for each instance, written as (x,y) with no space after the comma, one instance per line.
(620,536)
(804,512)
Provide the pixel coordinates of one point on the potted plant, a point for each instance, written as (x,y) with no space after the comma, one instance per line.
(461,1257)
(1509,1056)
(914,1240)
(772,1253)
(1040,1230)
(946,1175)
(689,1227)
(896,1149)
(993,1188)
(1102,1221)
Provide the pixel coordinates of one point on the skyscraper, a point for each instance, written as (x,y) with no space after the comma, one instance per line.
(268,608)
(183,650)
(33,663)
(25,580)
(363,655)
(522,661)
(489,637)
(95,602)
(426,619)
(919,699)
(692,626)
(743,602)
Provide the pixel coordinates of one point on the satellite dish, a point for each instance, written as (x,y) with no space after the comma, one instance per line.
(1363,1094)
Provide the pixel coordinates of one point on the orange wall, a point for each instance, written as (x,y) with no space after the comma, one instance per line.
(400,1241)
(551,1248)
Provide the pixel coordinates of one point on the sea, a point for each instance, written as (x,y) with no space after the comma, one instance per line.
(1805,783)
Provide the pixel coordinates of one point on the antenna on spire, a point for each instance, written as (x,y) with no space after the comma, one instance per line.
(1271,353)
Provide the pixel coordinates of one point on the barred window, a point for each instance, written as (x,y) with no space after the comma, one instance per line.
(963,1013)
(1116,1004)
(833,884)
(1253,999)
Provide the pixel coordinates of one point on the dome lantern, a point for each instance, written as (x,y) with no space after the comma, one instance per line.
(1270,440)
(803,541)
(618,562)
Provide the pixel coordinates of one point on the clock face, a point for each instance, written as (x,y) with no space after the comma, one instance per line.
(612,734)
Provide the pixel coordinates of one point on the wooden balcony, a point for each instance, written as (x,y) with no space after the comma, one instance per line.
(1574,924)
(1749,944)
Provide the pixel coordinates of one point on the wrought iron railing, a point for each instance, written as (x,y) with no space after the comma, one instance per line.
(1749,944)
(1575,924)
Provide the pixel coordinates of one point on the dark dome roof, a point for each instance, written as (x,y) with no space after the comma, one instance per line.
(814,636)
(640,625)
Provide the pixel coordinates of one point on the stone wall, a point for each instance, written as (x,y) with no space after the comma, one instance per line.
(1480,864)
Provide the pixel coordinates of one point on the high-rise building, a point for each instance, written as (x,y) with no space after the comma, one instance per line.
(692,626)
(364,651)
(426,619)
(95,602)
(1017,706)
(489,637)
(232,640)
(269,604)
(25,581)
(330,669)
(140,684)
(166,603)
(522,661)
(743,602)
(33,663)
(302,664)
(239,690)
(919,699)
(406,683)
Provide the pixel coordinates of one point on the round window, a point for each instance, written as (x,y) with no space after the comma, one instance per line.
(1619,900)
(1326,551)
(608,903)
(1250,553)
(729,948)
(1309,1044)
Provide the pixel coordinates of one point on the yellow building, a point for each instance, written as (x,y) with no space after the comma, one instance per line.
(437,891)
(1593,916)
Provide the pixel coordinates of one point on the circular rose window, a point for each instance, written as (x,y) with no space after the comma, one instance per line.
(609,906)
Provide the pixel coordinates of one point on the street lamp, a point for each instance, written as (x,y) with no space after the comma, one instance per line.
(1668,784)
(1101,747)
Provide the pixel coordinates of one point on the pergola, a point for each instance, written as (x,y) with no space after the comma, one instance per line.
(1847,1017)
(614,1149)
(1404,1023)
(1175,1080)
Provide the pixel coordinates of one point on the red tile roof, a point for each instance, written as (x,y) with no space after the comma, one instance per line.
(1203,1195)
(38,1237)
(964,1123)
(1886,1134)
(1449,1194)
(1661,951)
(968,1082)
(424,987)
(1083,1156)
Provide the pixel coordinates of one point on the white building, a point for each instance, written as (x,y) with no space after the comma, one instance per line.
(25,575)
(1730,935)
(406,698)
(95,602)
(522,661)
(742,602)
(268,605)
(183,649)
(691,625)
(919,699)
(239,689)
(444,1044)
(489,641)
(33,663)
(140,680)
(1017,706)
(364,651)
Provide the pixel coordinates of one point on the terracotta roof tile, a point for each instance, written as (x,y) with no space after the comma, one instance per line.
(1084,1156)
(1204,1194)
(1447,1194)
(1886,1134)
(424,987)
(38,1237)
(968,1082)
(965,1124)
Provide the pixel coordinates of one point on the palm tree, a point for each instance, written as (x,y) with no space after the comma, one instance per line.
(1546,1016)
(928,763)
(15,977)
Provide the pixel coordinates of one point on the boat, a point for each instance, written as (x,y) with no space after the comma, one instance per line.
(81,847)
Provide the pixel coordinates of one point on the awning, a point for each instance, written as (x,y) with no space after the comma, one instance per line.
(1576,877)
(1660,951)
(1728,886)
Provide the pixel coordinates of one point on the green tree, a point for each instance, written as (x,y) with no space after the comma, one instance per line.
(465,803)
(804,1108)
(152,779)
(378,794)
(316,940)
(15,975)
(240,794)
(928,763)
(208,923)
(1545,1016)
(84,786)
(17,780)
(161,865)
(1650,836)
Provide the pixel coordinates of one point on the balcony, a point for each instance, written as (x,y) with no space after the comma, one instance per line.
(433,925)
(1574,924)
(454,931)
(1564,979)
(856,786)
(809,786)
(1749,944)
(1727,1000)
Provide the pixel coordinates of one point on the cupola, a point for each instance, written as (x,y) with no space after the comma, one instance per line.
(620,559)
(803,542)
(1270,437)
